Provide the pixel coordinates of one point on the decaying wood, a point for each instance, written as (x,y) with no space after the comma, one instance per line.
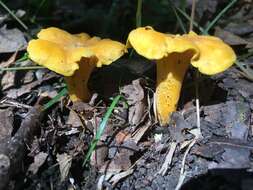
(12,150)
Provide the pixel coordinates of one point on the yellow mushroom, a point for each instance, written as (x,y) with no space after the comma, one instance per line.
(73,56)
(173,54)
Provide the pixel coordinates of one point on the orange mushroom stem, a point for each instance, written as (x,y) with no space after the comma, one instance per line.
(73,56)
(173,55)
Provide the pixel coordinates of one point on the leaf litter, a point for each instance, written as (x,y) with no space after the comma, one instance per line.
(134,152)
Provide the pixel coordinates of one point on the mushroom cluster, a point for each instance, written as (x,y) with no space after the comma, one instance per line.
(73,56)
(173,55)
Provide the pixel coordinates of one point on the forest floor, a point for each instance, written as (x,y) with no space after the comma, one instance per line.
(46,149)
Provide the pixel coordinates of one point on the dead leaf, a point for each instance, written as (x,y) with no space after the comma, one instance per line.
(230,38)
(64,160)
(121,137)
(177,127)
(11,40)
(8,80)
(17,92)
(116,178)
(26,88)
(10,61)
(135,98)
(39,159)
(121,160)
(6,123)
(74,120)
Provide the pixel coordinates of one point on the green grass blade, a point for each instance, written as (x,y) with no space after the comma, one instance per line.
(13,15)
(62,93)
(180,22)
(219,16)
(248,71)
(23,58)
(139,14)
(37,11)
(101,128)
(189,19)
(21,68)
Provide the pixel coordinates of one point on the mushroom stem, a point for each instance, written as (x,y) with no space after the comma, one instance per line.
(170,76)
(78,83)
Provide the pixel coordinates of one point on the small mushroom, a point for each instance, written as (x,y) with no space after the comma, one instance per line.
(173,55)
(73,56)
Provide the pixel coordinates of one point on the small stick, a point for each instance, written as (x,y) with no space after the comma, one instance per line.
(192,14)
(182,171)
(168,159)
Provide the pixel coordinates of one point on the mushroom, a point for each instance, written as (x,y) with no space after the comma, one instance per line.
(173,55)
(73,56)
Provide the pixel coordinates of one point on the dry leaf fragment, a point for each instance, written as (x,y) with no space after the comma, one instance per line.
(64,161)
(39,159)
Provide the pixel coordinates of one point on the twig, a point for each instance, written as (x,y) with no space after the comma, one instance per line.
(182,171)
(199,135)
(168,159)
(15,104)
(192,14)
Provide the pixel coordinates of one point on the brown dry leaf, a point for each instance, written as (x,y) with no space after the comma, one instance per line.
(29,77)
(27,88)
(81,106)
(17,92)
(74,120)
(39,159)
(121,137)
(10,61)
(135,97)
(64,160)
(99,155)
(121,161)
(138,134)
(8,80)
(6,123)
(116,178)
(11,40)
(231,38)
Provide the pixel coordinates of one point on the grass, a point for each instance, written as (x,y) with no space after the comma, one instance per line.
(21,68)
(101,128)
(139,14)
(49,104)
(13,15)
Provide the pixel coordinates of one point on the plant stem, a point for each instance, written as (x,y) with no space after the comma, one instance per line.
(101,128)
(138,14)
(192,14)
(218,16)
(21,68)
(13,15)
(62,93)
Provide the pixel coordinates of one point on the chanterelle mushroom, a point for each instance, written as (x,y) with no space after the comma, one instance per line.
(173,54)
(73,56)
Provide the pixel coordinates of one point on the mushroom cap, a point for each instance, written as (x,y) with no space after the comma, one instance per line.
(215,55)
(209,54)
(61,51)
